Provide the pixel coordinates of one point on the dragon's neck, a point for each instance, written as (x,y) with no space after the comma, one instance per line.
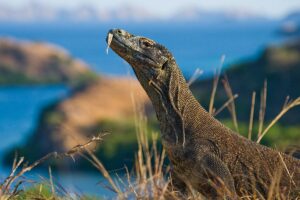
(177,109)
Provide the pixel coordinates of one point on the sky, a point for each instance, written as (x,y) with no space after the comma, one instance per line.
(270,8)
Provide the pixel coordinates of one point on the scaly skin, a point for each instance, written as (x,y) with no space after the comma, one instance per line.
(205,155)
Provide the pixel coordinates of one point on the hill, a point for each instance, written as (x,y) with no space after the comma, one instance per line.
(104,106)
(278,65)
(39,63)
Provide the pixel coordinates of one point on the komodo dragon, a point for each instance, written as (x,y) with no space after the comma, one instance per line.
(205,155)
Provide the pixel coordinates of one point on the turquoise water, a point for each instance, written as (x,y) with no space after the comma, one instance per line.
(20,108)
(194,46)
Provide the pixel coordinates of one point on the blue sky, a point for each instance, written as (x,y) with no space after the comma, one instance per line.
(272,8)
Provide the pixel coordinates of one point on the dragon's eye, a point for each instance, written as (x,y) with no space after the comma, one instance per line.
(146,43)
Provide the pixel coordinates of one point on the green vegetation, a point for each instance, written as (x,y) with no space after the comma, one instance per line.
(279,137)
(83,80)
(45,191)
(15,77)
(11,77)
(41,191)
(119,149)
(53,118)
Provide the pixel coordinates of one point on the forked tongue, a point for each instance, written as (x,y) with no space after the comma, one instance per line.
(109,39)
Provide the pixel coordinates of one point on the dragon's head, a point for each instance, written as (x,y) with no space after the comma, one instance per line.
(152,63)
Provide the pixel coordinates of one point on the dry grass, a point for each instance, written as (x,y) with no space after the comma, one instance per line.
(9,188)
(251,116)
(286,107)
(231,105)
(262,110)
(150,178)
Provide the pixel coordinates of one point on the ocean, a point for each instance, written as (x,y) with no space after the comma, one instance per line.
(193,45)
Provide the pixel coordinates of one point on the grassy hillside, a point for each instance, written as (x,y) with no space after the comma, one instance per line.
(278,65)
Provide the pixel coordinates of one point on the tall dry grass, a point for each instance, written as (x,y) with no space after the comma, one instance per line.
(150,178)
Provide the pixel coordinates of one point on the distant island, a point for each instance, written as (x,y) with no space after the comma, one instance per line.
(291,25)
(23,62)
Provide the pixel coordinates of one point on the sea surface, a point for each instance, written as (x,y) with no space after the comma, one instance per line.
(193,45)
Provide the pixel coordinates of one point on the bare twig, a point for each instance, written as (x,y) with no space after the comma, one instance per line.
(215,85)
(226,104)
(251,116)
(286,108)
(51,181)
(93,159)
(198,72)
(262,110)
(231,105)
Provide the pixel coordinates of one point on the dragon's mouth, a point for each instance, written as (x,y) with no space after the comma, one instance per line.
(114,41)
